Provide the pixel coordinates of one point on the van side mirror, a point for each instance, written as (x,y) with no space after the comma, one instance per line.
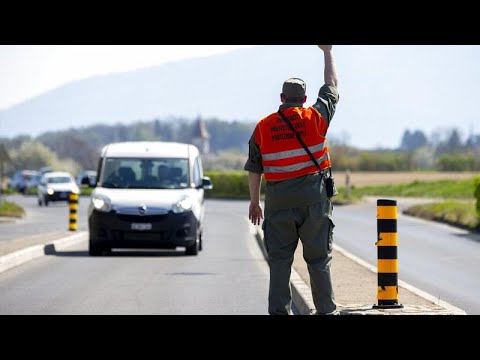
(207,183)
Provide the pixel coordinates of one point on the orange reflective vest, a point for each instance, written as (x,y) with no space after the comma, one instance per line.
(282,155)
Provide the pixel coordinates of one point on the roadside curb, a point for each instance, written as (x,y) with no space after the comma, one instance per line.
(22,256)
(303,301)
(8,219)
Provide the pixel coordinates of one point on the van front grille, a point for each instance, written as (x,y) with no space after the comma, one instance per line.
(142,219)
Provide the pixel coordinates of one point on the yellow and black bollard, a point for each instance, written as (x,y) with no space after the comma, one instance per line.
(387,260)
(73,205)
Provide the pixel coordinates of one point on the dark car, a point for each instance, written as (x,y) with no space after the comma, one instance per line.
(22,180)
(87,177)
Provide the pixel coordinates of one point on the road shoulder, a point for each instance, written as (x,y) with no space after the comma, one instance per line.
(355,286)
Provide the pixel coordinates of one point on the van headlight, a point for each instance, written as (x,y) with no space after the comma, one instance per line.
(182,205)
(101,203)
(50,191)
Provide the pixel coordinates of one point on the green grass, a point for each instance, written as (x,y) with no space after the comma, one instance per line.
(86,191)
(461,189)
(11,209)
(9,191)
(450,212)
(31,191)
(342,199)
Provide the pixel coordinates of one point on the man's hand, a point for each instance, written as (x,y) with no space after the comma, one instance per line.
(325,48)
(255,213)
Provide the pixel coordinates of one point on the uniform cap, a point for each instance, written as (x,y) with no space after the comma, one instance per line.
(294,88)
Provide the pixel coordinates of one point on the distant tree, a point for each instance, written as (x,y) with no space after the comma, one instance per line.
(454,142)
(32,155)
(412,141)
(473,142)
(423,158)
(68,145)
(447,141)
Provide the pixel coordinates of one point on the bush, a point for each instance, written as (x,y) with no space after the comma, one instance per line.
(456,162)
(477,194)
(229,185)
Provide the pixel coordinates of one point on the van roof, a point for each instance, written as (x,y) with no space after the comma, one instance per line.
(149,149)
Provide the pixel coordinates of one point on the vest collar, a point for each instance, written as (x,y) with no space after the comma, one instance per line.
(289,105)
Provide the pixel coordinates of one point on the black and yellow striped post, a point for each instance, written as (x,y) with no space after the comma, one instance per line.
(73,205)
(387,260)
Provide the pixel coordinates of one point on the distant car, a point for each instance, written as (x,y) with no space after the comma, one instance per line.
(56,186)
(22,179)
(45,169)
(87,177)
(34,181)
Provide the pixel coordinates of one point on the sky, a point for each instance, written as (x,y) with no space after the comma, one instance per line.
(384,89)
(30,70)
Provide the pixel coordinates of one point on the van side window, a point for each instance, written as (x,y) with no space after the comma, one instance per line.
(197,176)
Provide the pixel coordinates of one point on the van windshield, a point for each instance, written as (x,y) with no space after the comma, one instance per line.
(142,173)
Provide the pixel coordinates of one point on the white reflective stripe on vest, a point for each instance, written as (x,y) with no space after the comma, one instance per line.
(294,167)
(292,153)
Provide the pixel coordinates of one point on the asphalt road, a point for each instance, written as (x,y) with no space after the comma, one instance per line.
(42,220)
(230,276)
(439,259)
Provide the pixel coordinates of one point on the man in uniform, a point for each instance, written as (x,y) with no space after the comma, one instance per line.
(296,202)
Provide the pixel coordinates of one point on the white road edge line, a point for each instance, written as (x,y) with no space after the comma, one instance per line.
(22,256)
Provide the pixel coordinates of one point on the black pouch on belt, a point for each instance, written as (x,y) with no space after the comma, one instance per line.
(330,186)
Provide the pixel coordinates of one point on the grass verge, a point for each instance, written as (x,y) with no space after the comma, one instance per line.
(11,209)
(450,212)
(448,189)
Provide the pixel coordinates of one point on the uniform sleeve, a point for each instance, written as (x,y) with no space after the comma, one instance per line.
(327,102)
(254,161)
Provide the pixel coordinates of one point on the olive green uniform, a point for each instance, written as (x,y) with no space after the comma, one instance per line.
(298,208)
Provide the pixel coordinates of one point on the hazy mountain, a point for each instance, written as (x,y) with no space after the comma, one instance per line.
(384,90)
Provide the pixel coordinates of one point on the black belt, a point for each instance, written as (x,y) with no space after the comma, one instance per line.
(323,172)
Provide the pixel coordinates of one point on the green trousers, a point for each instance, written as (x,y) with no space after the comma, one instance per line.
(314,227)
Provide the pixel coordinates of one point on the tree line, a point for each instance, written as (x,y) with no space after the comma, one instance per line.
(79,148)
(444,150)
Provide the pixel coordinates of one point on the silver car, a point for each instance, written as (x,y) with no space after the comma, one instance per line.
(56,186)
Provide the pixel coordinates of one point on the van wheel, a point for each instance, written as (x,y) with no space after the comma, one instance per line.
(39,202)
(193,250)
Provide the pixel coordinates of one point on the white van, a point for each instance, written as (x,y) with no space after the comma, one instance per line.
(148,195)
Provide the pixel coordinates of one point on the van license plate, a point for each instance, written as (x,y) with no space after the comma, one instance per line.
(141,226)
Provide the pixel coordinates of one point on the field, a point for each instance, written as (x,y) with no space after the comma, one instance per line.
(360,179)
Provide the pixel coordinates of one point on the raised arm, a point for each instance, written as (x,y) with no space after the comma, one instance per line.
(330,72)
